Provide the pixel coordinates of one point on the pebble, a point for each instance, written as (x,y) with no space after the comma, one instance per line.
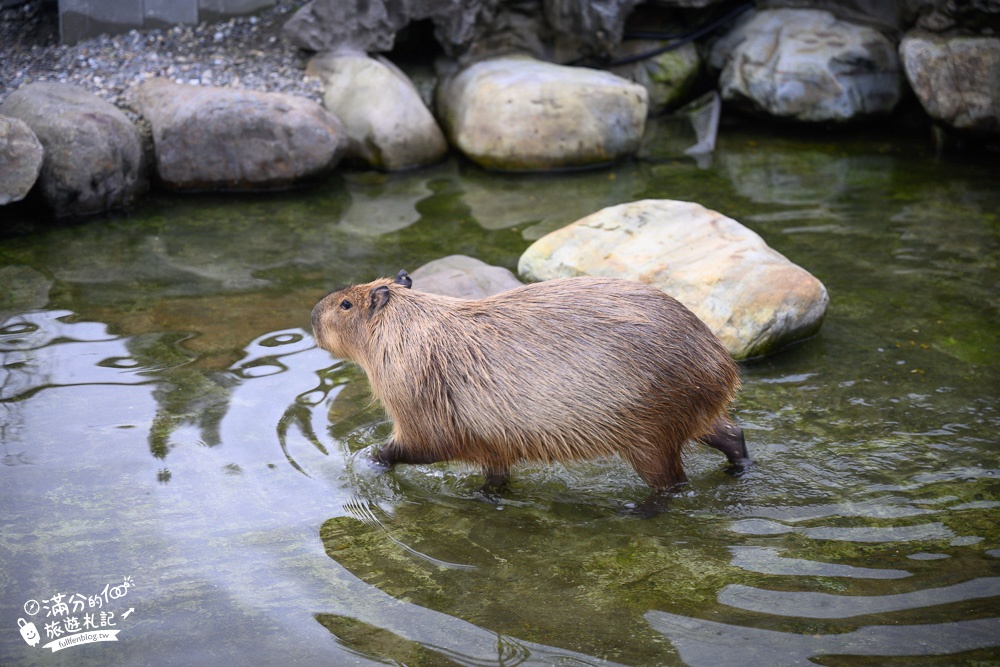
(245,52)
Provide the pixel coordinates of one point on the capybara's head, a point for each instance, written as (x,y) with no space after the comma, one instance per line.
(342,320)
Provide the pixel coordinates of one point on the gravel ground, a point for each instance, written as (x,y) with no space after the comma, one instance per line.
(245,52)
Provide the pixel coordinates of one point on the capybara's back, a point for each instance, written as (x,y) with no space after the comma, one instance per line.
(567,369)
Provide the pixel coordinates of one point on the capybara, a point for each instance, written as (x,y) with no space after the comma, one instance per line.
(574,368)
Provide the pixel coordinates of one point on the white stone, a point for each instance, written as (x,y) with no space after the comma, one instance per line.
(516,113)
(387,123)
(751,296)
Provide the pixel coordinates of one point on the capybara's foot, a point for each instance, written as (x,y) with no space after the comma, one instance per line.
(654,504)
(728,438)
(495,483)
(383,458)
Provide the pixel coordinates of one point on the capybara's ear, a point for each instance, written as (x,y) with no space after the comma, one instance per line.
(403,278)
(377,298)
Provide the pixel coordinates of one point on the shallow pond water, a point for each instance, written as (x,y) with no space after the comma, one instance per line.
(184,467)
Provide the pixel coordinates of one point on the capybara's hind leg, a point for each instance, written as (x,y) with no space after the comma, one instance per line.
(663,473)
(728,438)
(392,453)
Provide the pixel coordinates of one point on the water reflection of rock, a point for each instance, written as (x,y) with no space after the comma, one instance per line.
(774,172)
(23,289)
(498,201)
(383,203)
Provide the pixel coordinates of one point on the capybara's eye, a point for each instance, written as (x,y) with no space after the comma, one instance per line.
(345,305)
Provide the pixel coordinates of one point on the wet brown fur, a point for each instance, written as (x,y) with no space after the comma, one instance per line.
(575,368)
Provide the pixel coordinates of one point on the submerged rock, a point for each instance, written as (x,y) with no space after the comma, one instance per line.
(21,157)
(751,296)
(808,65)
(387,123)
(463,277)
(210,138)
(92,153)
(516,113)
(956,78)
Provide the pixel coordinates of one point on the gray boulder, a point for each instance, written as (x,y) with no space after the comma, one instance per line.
(93,159)
(20,159)
(463,277)
(956,78)
(808,65)
(462,27)
(211,138)
(326,25)
(387,123)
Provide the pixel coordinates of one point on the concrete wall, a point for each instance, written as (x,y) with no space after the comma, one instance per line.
(83,19)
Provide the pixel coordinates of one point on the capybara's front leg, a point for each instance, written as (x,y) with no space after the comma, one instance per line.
(496,480)
(728,438)
(393,452)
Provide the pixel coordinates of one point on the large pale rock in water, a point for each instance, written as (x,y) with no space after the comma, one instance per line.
(807,65)
(20,159)
(520,114)
(751,296)
(387,123)
(210,138)
(463,277)
(956,78)
(92,153)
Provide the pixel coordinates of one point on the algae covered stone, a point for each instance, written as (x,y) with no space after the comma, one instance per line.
(750,295)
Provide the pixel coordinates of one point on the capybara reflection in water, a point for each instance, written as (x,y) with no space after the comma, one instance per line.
(574,368)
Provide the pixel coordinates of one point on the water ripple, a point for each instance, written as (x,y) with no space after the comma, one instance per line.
(808,604)
(767,560)
(710,644)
